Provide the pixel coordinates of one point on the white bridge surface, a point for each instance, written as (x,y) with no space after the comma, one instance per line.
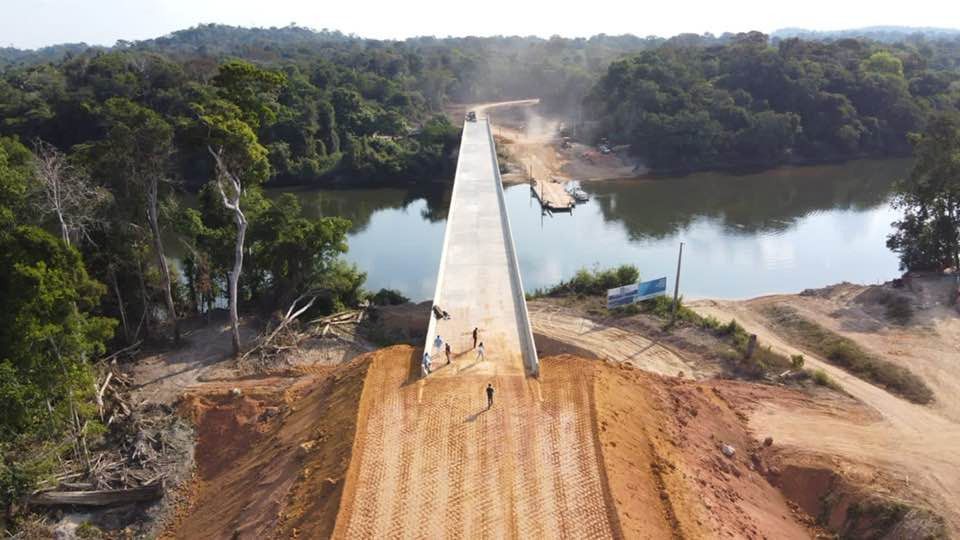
(478,283)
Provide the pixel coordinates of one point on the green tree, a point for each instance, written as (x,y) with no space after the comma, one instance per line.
(883,62)
(254,90)
(928,236)
(48,334)
(15,165)
(241,166)
(295,254)
(139,147)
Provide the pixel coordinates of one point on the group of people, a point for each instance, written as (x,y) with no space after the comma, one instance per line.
(439,344)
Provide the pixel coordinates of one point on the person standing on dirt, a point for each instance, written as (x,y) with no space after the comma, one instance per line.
(489,393)
(447,350)
(480,352)
(476,332)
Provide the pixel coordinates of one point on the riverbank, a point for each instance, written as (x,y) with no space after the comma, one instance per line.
(537,148)
(868,438)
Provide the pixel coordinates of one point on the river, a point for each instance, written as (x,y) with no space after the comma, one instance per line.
(779,231)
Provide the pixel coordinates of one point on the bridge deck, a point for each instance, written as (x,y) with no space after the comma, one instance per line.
(478,283)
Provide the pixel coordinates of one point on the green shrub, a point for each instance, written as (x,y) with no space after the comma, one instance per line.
(388,297)
(732,328)
(797,361)
(821,378)
(847,354)
(593,282)
(710,323)
(88,531)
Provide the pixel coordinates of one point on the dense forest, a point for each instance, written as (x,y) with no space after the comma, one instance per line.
(97,145)
(887,34)
(347,113)
(748,102)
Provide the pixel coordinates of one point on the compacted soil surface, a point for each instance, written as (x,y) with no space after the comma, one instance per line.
(590,450)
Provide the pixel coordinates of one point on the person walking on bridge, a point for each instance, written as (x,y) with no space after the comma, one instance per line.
(489,395)
(476,332)
(426,362)
(438,342)
(480,352)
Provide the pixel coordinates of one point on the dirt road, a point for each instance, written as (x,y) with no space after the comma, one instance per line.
(532,139)
(612,343)
(431,461)
(919,444)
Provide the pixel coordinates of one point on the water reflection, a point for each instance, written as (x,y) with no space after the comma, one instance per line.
(359,205)
(778,231)
(769,201)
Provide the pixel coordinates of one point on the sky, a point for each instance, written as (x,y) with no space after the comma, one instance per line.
(36,23)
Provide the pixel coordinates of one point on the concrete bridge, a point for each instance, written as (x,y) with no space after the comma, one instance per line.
(431,460)
(478,283)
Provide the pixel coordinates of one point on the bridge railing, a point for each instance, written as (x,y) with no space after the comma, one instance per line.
(432,325)
(527,344)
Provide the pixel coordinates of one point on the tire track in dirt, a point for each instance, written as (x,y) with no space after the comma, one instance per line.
(452,469)
(915,441)
(609,342)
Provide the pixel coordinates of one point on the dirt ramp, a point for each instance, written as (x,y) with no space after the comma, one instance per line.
(588,450)
(271,455)
(431,461)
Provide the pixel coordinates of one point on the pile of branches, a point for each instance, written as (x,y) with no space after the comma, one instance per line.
(282,338)
(129,467)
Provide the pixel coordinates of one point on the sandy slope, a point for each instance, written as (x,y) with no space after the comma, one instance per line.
(365,450)
(920,444)
(611,343)
(430,461)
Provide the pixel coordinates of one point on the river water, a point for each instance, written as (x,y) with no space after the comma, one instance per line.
(783,230)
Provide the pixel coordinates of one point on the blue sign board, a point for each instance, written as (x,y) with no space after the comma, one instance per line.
(629,294)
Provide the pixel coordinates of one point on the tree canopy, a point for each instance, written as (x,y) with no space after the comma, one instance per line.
(928,236)
(748,102)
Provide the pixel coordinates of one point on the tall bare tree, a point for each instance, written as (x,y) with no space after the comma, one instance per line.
(139,147)
(65,192)
(230,191)
(153,197)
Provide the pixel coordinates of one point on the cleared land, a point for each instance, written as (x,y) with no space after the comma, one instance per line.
(591,451)
(914,445)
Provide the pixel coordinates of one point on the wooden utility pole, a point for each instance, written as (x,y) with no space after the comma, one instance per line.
(676,285)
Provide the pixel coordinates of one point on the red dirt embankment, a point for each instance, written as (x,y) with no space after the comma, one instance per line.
(271,460)
(661,439)
(589,450)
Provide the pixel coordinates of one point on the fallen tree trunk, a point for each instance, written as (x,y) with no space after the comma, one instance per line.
(106,497)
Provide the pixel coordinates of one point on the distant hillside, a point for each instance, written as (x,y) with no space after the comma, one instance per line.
(53,53)
(558,70)
(886,34)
